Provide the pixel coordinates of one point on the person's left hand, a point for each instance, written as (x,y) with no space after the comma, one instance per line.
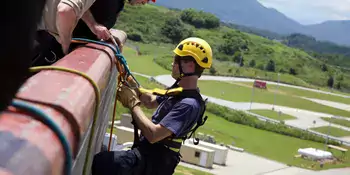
(101,32)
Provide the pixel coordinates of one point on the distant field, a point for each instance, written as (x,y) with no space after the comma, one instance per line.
(238,93)
(302,93)
(143,63)
(342,122)
(273,114)
(263,143)
(333,131)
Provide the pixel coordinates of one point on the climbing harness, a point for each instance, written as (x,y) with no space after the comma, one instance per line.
(178,93)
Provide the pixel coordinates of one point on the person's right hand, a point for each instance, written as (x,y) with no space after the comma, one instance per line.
(65,47)
(101,32)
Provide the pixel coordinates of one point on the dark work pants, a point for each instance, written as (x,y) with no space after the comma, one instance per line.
(146,160)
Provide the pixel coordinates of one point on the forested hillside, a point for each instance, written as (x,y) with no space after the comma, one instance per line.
(327,51)
(236,53)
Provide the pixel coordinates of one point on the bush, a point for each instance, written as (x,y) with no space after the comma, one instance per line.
(175,30)
(280,128)
(200,19)
(135,36)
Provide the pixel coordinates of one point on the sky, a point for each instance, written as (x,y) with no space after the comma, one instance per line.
(311,11)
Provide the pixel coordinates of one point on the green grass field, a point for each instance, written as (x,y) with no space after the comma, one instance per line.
(333,131)
(263,143)
(273,114)
(181,170)
(342,122)
(239,93)
(303,93)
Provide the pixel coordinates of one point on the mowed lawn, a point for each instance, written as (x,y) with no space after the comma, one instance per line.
(239,93)
(264,143)
(273,114)
(181,170)
(304,93)
(333,131)
(143,63)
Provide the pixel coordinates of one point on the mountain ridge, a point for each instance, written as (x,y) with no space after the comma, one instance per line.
(253,14)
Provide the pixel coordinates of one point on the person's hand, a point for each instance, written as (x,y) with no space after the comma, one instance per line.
(65,43)
(128,97)
(101,32)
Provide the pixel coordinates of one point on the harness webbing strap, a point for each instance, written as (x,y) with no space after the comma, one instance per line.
(178,93)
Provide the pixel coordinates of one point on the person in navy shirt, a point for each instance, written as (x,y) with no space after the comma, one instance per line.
(157,152)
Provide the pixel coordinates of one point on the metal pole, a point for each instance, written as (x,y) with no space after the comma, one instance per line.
(251,98)
(274,101)
(329,128)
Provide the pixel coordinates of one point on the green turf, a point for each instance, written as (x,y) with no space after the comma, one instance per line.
(303,93)
(181,170)
(273,114)
(238,93)
(263,143)
(143,63)
(333,131)
(342,122)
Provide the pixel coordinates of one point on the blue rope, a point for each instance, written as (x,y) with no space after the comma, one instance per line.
(52,125)
(117,52)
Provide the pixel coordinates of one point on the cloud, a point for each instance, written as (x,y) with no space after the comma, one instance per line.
(311,11)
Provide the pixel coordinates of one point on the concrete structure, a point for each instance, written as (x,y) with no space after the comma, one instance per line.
(220,156)
(197,155)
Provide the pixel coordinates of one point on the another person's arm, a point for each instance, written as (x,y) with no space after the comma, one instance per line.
(66,21)
(99,30)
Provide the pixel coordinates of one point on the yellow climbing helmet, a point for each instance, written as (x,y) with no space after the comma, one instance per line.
(198,48)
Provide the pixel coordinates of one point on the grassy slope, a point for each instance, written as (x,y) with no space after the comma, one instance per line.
(303,93)
(147,21)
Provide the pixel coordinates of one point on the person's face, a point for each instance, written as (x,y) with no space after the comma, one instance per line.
(187,67)
(138,2)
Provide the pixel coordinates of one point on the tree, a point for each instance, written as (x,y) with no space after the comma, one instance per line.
(330,81)
(252,63)
(338,85)
(175,30)
(212,70)
(292,71)
(270,66)
(324,68)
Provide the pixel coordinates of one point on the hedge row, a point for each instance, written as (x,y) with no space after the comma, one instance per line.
(240,117)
